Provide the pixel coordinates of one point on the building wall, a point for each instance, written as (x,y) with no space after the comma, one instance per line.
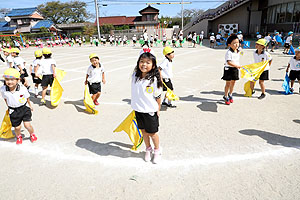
(201,26)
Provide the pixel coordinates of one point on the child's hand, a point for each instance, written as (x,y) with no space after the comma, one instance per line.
(31,108)
(85,82)
(103,81)
(54,75)
(158,113)
(239,66)
(287,70)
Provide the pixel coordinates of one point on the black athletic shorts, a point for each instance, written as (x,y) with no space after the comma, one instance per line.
(47,80)
(169,84)
(287,45)
(264,76)
(230,73)
(294,74)
(17,115)
(147,121)
(35,79)
(94,88)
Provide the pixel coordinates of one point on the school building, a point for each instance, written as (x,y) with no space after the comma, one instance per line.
(248,16)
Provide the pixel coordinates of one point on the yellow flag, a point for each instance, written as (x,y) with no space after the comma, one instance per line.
(247,89)
(129,125)
(88,102)
(60,74)
(252,72)
(56,93)
(170,94)
(5,129)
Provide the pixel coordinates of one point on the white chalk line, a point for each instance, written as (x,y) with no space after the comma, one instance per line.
(115,161)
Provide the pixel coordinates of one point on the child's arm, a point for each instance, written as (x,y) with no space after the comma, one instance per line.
(53,68)
(230,63)
(270,62)
(30,69)
(86,81)
(36,69)
(158,100)
(287,69)
(21,70)
(29,103)
(103,78)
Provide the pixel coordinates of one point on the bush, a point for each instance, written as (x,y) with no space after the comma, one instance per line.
(73,35)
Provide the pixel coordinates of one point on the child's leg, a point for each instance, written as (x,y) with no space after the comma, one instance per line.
(262,86)
(146,137)
(44,92)
(155,140)
(18,130)
(292,83)
(227,85)
(29,127)
(232,83)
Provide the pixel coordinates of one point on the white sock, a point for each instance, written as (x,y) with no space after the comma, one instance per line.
(36,91)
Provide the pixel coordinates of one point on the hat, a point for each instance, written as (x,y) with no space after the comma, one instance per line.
(6,50)
(147,50)
(262,42)
(257,33)
(46,51)
(38,53)
(11,73)
(212,34)
(167,50)
(290,33)
(14,50)
(93,55)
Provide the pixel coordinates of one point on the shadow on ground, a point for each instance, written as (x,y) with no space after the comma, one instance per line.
(77,104)
(108,149)
(296,121)
(207,105)
(273,138)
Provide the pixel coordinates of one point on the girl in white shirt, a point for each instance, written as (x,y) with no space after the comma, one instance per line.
(146,88)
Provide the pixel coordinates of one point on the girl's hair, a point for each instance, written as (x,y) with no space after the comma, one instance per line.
(154,72)
(47,55)
(39,57)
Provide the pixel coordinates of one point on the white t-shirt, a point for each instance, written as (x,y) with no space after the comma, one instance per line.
(166,69)
(262,57)
(258,36)
(294,64)
(288,40)
(46,66)
(18,61)
(145,36)
(9,59)
(268,38)
(212,38)
(233,57)
(34,64)
(144,94)
(95,74)
(17,98)
(218,36)
(134,38)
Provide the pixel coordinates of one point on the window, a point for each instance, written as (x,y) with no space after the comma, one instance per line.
(289,12)
(296,17)
(282,13)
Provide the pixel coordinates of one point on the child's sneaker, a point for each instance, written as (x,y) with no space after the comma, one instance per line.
(292,90)
(157,156)
(262,96)
(148,154)
(230,98)
(43,102)
(19,140)
(96,102)
(226,99)
(33,138)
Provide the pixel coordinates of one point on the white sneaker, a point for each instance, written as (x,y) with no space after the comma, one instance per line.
(157,155)
(148,154)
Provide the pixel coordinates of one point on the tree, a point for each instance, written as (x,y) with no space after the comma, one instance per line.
(106,28)
(43,29)
(89,30)
(69,12)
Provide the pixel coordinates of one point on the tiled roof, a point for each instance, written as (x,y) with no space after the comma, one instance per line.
(21,12)
(4,27)
(117,20)
(43,23)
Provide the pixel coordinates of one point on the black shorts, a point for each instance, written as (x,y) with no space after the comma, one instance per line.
(230,73)
(147,121)
(273,43)
(134,41)
(218,40)
(194,41)
(94,88)
(294,74)
(173,41)
(212,41)
(264,76)
(47,80)
(25,74)
(168,83)
(287,45)
(17,115)
(164,42)
(35,80)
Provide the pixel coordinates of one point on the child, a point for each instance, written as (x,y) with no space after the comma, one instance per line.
(145,101)
(231,72)
(16,97)
(258,35)
(33,70)
(47,66)
(268,38)
(261,55)
(94,76)
(167,73)
(294,63)
(164,39)
(201,37)
(134,40)
(19,64)
(212,40)
(288,43)
(241,37)
(180,38)
(8,58)
(194,40)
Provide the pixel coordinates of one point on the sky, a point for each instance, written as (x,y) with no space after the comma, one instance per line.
(124,8)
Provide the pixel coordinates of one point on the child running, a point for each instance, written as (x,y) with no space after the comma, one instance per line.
(94,77)
(34,72)
(261,55)
(48,71)
(166,70)
(16,97)
(146,88)
(288,43)
(9,60)
(231,68)
(294,64)
(19,64)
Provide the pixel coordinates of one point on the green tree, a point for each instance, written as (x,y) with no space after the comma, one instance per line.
(106,28)
(89,30)
(43,29)
(69,12)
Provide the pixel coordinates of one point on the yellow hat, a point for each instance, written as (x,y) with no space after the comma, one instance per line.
(93,55)
(38,53)
(11,73)
(46,51)
(262,42)
(14,50)
(167,50)
(6,50)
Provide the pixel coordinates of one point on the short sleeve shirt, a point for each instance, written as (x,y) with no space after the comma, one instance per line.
(233,57)
(17,98)
(262,57)
(166,69)
(46,66)
(18,61)
(294,64)
(95,74)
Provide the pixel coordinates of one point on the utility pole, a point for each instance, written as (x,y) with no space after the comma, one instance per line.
(182,15)
(97,18)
